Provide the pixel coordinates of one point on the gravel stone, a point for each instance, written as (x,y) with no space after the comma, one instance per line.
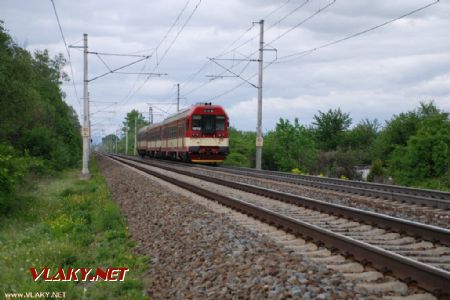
(199,254)
(437,217)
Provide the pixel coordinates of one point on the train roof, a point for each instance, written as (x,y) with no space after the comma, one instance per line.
(179,115)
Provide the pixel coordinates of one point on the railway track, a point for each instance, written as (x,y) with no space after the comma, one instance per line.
(412,251)
(424,197)
(414,212)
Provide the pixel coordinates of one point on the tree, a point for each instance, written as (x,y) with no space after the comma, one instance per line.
(293,146)
(396,133)
(34,117)
(269,151)
(242,148)
(38,130)
(362,135)
(132,118)
(360,139)
(425,159)
(109,143)
(329,128)
(400,128)
(418,153)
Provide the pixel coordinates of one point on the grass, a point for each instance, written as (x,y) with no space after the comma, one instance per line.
(65,222)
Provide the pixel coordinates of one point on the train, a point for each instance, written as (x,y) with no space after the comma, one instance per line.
(198,134)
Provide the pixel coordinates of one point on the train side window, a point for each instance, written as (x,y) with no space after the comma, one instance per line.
(196,122)
(220,122)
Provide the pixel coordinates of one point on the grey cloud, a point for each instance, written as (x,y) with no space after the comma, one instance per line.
(372,76)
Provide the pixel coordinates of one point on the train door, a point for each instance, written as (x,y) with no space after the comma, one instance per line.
(181,127)
(180,135)
(160,139)
(147,140)
(177,135)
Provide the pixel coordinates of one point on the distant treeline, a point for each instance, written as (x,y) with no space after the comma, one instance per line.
(412,148)
(116,143)
(39,132)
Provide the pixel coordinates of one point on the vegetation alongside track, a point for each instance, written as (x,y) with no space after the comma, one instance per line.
(413,147)
(49,218)
(65,222)
(39,132)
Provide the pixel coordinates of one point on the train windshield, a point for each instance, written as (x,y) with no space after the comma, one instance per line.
(196,122)
(208,124)
(220,123)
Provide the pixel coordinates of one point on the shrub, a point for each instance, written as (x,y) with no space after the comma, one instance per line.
(13,169)
(296,171)
(377,173)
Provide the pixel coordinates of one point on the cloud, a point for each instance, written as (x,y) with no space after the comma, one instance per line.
(374,75)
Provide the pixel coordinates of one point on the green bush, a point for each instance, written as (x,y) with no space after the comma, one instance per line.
(39,132)
(13,170)
(377,173)
(425,160)
(237,159)
(71,224)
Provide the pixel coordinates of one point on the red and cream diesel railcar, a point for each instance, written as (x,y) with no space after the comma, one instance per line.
(197,134)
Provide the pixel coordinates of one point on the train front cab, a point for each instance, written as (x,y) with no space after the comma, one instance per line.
(207,137)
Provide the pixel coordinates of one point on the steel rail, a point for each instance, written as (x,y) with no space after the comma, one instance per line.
(430,278)
(423,197)
(426,197)
(418,230)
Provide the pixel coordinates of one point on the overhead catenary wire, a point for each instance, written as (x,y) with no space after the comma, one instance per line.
(306,52)
(116,54)
(120,68)
(206,63)
(297,55)
(68,54)
(178,34)
(166,51)
(240,84)
(303,21)
(276,10)
(131,91)
(268,28)
(225,51)
(104,63)
(173,25)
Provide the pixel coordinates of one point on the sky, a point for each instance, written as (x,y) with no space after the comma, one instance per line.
(373,75)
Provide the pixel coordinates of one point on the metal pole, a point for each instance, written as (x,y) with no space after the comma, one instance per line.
(149,114)
(116,138)
(178,97)
(135,136)
(86,126)
(259,138)
(150,111)
(126,140)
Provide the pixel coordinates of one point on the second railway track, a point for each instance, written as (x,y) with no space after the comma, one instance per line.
(414,252)
(432,198)
(414,212)
(423,197)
